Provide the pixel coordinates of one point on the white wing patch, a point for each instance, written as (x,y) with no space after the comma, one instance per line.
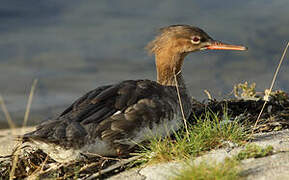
(166,128)
(62,155)
(159,130)
(116,113)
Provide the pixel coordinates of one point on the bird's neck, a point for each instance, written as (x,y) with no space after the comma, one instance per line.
(169,66)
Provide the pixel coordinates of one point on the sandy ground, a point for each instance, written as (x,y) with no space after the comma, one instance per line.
(7,139)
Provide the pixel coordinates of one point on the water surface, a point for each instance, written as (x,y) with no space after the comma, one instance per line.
(74,46)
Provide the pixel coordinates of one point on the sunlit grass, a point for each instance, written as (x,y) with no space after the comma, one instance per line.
(254,151)
(227,170)
(210,132)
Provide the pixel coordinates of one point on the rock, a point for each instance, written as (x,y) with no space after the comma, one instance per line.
(274,167)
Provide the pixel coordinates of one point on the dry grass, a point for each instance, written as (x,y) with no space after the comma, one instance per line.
(181,105)
(7,114)
(209,132)
(16,152)
(266,97)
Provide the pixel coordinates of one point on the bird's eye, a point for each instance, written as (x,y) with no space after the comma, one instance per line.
(196,40)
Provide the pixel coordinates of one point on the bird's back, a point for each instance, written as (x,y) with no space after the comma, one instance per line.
(110,120)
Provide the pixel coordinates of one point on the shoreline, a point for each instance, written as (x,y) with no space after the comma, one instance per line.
(7,139)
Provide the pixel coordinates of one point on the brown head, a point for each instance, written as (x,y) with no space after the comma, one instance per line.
(175,42)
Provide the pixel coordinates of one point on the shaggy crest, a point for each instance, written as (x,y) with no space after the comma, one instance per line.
(173,31)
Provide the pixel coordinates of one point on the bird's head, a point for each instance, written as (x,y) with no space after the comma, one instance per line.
(183,39)
(174,43)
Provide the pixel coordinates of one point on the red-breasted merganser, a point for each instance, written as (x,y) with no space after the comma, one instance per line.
(112,119)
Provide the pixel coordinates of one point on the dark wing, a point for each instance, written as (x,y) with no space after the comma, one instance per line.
(90,116)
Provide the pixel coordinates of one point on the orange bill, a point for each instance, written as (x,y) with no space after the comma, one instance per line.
(222,46)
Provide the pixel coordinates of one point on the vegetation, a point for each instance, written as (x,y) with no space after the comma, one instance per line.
(254,151)
(213,125)
(210,132)
(227,170)
(245,91)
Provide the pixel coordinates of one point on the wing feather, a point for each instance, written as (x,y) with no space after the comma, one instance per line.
(93,115)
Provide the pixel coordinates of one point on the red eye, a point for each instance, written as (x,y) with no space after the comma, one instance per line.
(196,39)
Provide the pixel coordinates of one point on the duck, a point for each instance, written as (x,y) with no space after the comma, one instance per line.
(112,119)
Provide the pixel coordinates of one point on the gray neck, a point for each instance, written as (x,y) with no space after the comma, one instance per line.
(181,84)
(184,95)
(169,65)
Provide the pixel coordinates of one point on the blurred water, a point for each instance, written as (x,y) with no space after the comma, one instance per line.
(74,46)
